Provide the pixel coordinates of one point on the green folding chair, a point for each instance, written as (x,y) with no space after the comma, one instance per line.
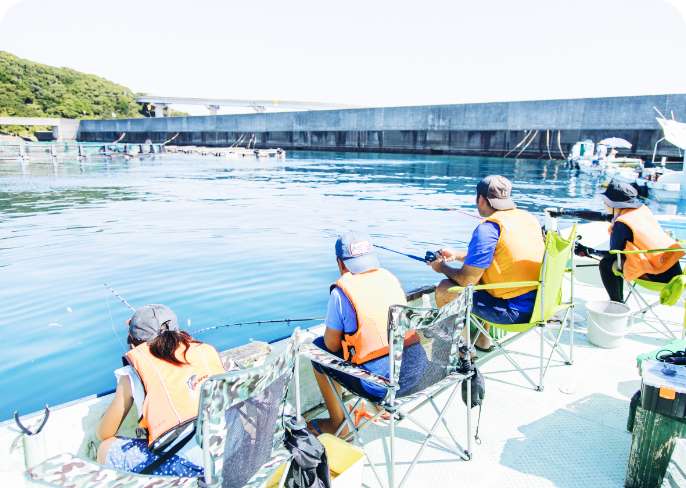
(558,261)
(669,292)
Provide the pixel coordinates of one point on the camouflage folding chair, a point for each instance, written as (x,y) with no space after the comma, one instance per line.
(240,427)
(447,366)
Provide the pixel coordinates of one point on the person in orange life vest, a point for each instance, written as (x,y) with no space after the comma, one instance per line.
(507,246)
(634,227)
(356,328)
(166,367)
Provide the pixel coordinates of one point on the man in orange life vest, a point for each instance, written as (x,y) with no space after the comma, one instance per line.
(507,246)
(635,227)
(356,328)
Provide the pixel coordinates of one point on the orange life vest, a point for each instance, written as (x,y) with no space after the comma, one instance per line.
(518,254)
(647,234)
(172,392)
(371,294)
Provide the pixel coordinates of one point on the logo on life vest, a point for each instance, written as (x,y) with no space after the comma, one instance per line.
(193,382)
(360,248)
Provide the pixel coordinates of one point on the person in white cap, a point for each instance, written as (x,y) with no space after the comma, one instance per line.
(356,328)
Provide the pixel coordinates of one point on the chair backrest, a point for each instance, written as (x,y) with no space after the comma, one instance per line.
(240,419)
(558,253)
(436,355)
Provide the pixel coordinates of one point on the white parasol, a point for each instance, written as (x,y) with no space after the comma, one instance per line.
(616,142)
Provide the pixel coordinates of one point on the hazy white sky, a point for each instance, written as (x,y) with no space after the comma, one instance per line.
(361,52)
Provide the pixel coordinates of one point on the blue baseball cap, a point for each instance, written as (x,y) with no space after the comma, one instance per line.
(356,252)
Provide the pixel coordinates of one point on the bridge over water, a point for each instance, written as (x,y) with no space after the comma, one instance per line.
(161,104)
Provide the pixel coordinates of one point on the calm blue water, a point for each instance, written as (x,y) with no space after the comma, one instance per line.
(217,241)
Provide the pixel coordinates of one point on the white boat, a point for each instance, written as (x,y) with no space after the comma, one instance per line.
(664,185)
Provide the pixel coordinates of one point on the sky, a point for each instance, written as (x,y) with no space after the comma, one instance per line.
(368,53)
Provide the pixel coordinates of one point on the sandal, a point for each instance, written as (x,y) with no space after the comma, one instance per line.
(490,348)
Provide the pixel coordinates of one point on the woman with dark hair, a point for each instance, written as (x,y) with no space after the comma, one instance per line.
(165,368)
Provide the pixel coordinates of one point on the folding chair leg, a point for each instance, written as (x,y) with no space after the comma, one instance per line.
(391,464)
(501,350)
(571,335)
(649,308)
(428,437)
(540,359)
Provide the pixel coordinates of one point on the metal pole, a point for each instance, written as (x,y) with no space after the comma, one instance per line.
(470,292)
(296,339)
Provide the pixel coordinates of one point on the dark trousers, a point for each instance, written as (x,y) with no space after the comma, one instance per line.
(614,285)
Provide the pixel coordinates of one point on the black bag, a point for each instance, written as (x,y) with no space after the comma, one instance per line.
(478,385)
(310,468)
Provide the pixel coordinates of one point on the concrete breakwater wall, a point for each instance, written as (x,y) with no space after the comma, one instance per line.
(548,127)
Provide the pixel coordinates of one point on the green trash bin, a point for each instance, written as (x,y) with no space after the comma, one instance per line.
(659,422)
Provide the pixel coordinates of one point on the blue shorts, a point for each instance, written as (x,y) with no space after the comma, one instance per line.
(411,371)
(134,455)
(499,310)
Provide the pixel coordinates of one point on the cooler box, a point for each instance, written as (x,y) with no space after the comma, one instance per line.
(662,393)
(660,421)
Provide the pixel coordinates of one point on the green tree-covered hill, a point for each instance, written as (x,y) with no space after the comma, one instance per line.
(29,89)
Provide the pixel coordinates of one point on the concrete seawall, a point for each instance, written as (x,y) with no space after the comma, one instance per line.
(478,128)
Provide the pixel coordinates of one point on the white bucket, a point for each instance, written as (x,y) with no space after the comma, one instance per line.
(607,323)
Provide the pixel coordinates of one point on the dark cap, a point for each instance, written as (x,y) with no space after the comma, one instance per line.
(497,190)
(149,320)
(621,195)
(356,252)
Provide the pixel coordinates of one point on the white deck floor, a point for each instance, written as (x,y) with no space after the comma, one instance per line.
(573,434)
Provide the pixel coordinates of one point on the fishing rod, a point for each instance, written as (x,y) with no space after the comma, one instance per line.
(258,322)
(428,258)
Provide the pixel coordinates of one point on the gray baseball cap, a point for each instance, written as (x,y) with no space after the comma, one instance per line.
(497,190)
(356,252)
(148,321)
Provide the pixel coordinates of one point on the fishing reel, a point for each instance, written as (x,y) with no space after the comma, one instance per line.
(430,256)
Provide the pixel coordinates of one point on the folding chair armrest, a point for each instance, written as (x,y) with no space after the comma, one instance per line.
(67,470)
(648,251)
(495,286)
(325,358)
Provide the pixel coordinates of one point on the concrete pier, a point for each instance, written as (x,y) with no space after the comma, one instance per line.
(548,127)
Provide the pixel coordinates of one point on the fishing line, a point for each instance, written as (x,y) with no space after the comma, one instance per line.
(258,322)
(109,310)
(121,298)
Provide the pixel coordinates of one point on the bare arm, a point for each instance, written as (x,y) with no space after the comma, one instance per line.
(117,411)
(332,339)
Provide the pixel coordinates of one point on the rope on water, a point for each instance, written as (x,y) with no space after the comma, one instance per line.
(169,140)
(123,134)
(535,133)
(547,143)
(526,134)
(559,144)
